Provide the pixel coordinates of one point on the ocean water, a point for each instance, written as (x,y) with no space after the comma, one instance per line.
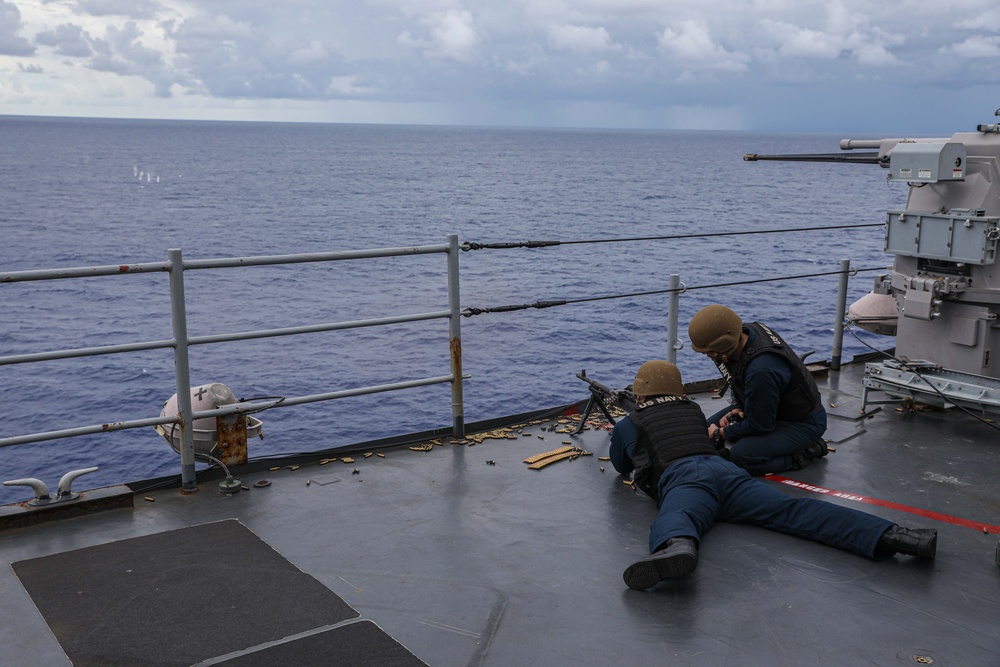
(81,192)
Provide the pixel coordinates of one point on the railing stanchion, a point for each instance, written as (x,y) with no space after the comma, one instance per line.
(675,299)
(182,372)
(838,326)
(455,337)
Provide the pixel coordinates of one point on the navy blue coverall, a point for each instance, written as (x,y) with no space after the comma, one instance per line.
(697,491)
(762,443)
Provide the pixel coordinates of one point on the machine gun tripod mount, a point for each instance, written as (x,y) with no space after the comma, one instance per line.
(601,397)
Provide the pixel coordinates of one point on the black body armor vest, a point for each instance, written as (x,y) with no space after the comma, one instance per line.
(669,428)
(799,400)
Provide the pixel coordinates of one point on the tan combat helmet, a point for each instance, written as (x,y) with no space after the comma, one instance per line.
(716,329)
(658,378)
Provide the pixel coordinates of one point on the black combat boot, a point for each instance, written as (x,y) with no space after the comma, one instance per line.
(815,451)
(677,558)
(919,542)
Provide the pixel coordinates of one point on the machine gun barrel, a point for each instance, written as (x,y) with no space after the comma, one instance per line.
(852,158)
(594,384)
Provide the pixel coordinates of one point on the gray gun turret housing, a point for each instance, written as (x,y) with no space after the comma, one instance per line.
(944,277)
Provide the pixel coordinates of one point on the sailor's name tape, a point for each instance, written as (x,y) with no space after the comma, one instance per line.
(937,516)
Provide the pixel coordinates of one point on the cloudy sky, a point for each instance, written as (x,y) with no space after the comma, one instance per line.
(897,66)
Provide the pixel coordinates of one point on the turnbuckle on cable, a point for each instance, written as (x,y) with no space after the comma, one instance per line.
(469,312)
(472,245)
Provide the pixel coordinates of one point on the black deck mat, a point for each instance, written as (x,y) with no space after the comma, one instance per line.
(176,598)
(360,644)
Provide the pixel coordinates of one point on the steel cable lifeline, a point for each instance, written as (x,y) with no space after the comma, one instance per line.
(469,312)
(472,245)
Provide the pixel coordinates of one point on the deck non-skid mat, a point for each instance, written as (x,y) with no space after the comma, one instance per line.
(357,644)
(177,597)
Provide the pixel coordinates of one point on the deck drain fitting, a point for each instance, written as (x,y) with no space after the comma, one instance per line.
(917,657)
(260,484)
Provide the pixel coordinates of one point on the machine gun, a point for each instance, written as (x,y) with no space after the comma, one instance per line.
(601,397)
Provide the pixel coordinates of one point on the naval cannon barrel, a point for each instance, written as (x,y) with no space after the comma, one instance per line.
(851,158)
(880,157)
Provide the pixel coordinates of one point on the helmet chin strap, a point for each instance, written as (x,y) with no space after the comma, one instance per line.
(722,362)
(735,352)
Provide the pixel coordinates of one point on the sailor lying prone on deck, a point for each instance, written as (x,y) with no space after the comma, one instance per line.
(665,441)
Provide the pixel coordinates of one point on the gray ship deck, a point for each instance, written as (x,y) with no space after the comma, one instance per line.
(467,562)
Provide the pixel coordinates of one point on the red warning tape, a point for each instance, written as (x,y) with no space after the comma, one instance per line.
(937,516)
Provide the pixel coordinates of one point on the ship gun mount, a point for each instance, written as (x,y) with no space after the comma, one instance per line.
(920,381)
(944,289)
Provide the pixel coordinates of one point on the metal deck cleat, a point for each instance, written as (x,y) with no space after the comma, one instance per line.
(42,497)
